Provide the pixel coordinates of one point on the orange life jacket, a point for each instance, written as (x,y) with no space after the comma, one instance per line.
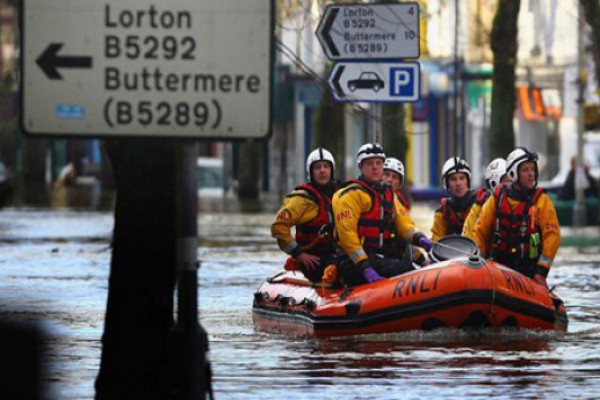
(450,210)
(376,226)
(513,230)
(309,233)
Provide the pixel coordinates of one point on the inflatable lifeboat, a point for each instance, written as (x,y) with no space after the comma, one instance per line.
(458,292)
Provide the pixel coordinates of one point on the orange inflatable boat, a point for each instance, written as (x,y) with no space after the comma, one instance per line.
(467,292)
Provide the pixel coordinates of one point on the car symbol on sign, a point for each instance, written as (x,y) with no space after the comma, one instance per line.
(366,80)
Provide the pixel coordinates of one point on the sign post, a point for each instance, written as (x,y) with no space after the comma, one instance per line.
(370,31)
(177,68)
(375,82)
(376,37)
(371,40)
(185,69)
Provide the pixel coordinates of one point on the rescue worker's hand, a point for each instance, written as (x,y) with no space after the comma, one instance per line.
(425,243)
(541,280)
(371,275)
(309,261)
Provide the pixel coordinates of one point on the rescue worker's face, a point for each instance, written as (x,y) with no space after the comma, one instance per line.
(392,178)
(458,184)
(527,175)
(321,172)
(372,169)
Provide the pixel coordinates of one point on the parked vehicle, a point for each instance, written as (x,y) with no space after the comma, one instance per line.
(210,177)
(5,185)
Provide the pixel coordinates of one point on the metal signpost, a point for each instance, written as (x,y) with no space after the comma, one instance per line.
(186,69)
(379,36)
(176,68)
(376,82)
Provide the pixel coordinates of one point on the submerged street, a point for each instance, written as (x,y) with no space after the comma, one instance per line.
(54,267)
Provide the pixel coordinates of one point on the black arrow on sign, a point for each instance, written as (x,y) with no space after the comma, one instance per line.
(49,61)
(327,28)
(336,81)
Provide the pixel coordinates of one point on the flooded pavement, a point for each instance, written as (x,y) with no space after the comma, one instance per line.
(54,272)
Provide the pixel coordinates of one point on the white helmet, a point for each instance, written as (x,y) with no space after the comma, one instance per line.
(319,154)
(369,150)
(454,165)
(516,158)
(395,165)
(495,171)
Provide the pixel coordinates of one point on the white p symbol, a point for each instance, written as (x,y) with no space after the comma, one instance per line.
(401,78)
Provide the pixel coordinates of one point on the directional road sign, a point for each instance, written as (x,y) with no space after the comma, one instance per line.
(376,82)
(165,68)
(370,31)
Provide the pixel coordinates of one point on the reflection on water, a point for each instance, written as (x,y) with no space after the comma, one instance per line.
(54,269)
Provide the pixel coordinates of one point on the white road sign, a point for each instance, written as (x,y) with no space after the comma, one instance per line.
(165,68)
(376,81)
(370,31)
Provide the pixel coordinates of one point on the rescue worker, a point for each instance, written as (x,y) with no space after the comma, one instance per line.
(393,175)
(518,225)
(450,218)
(495,174)
(367,215)
(308,208)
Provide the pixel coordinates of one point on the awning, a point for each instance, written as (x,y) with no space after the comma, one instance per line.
(536,104)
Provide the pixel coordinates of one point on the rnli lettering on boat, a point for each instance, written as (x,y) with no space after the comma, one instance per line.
(421,283)
(518,283)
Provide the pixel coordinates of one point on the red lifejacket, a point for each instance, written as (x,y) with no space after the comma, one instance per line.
(376,226)
(450,213)
(308,233)
(513,229)
(402,199)
(481,196)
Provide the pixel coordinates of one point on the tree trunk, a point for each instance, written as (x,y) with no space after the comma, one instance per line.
(139,310)
(32,184)
(249,169)
(394,140)
(329,128)
(504,47)
(592,16)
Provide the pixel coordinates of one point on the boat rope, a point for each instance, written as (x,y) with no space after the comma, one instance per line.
(491,310)
(467,253)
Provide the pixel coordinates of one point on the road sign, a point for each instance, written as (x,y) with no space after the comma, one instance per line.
(370,31)
(376,82)
(166,68)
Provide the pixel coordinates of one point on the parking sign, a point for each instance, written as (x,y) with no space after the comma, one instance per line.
(376,82)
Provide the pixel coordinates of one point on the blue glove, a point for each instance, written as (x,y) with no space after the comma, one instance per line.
(425,243)
(371,275)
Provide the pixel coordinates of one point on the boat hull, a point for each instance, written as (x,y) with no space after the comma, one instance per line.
(458,293)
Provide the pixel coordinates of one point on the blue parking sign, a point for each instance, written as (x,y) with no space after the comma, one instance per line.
(404,82)
(391,82)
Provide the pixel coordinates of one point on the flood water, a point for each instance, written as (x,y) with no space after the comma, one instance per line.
(54,268)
